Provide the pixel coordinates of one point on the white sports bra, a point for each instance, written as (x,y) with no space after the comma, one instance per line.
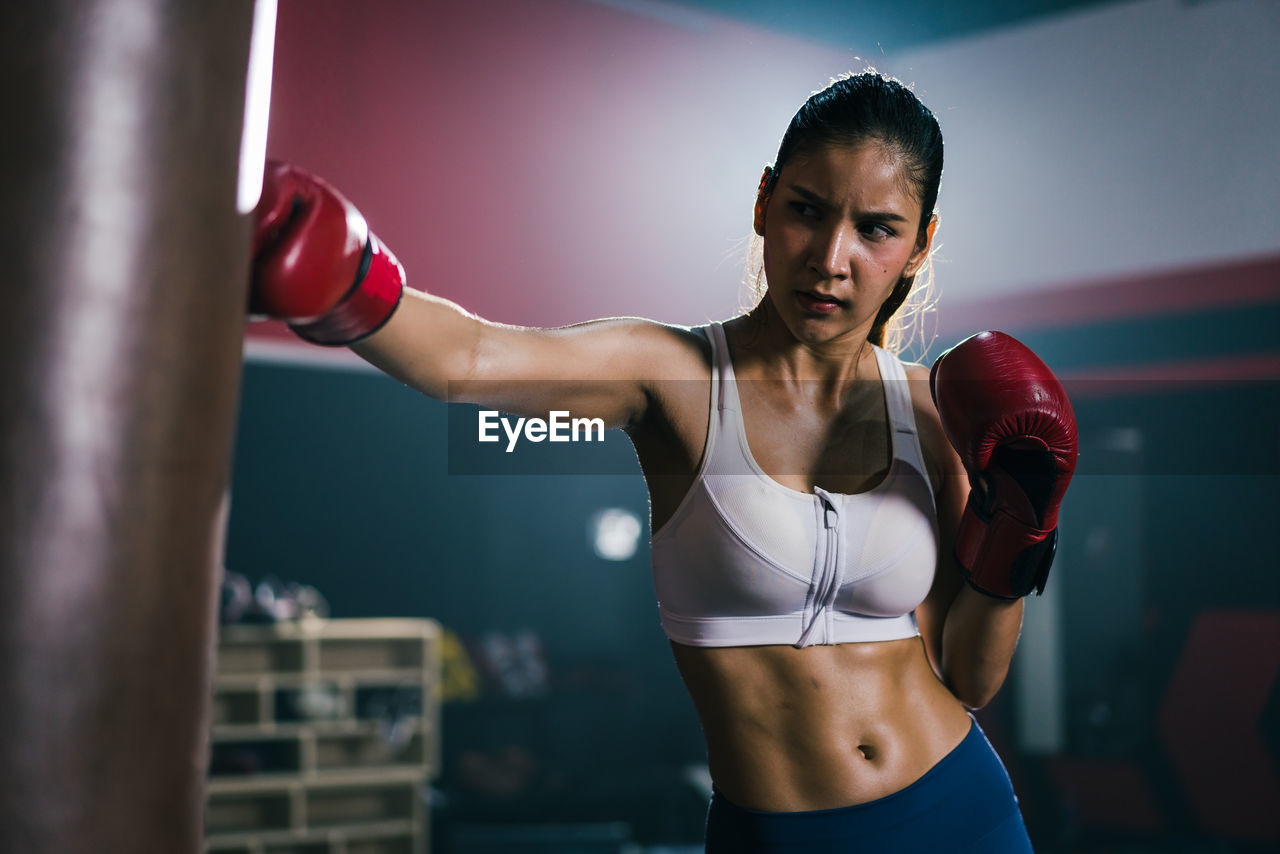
(746,561)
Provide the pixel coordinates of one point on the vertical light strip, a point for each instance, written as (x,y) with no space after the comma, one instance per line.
(257,105)
(1038,663)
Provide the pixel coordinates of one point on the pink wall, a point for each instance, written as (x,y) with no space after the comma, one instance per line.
(544,163)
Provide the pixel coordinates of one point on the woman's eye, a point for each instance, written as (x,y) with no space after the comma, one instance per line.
(876,230)
(804,209)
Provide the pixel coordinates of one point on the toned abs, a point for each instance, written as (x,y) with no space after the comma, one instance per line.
(821,727)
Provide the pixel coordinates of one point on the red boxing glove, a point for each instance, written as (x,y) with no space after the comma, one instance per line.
(316,265)
(1009,419)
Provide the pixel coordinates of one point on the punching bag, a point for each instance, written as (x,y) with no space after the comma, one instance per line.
(125,261)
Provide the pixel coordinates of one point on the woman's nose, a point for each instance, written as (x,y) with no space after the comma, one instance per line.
(830,252)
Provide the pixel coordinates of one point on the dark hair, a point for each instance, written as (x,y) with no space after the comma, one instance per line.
(857,108)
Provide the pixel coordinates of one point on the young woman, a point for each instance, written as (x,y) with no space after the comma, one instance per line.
(812,525)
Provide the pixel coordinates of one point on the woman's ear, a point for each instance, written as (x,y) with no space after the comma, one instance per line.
(763,192)
(924,241)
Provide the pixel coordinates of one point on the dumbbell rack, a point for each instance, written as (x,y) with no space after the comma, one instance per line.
(325,733)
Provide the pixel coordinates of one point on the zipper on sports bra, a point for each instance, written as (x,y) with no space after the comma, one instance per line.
(827,586)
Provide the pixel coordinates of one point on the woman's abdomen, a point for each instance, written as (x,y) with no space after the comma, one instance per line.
(821,727)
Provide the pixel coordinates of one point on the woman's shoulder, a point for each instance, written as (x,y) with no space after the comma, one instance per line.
(921,398)
(939,456)
(663,350)
(678,340)
(676,364)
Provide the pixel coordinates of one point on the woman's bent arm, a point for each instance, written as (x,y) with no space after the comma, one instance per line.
(979,636)
(969,637)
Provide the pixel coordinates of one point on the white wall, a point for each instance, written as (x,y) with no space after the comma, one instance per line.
(1126,139)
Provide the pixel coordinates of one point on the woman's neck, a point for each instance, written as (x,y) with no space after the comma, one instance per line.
(764,348)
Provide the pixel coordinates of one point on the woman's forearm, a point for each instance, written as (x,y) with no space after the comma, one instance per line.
(979,636)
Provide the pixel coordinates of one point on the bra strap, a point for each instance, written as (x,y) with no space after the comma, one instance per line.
(897,391)
(722,370)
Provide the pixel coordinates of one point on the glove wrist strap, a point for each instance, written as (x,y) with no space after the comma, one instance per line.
(367,306)
(1002,556)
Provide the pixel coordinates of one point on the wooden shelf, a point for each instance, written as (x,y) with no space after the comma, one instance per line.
(325,734)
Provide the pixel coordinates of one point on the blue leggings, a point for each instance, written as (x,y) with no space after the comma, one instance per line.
(963,805)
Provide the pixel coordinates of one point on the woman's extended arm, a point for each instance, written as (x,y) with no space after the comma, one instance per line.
(600,369)
(317,266)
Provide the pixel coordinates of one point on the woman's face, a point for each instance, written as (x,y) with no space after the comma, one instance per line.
(840,228)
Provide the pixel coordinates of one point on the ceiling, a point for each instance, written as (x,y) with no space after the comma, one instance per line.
(893,26)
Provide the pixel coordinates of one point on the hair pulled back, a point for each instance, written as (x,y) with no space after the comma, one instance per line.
(864,107)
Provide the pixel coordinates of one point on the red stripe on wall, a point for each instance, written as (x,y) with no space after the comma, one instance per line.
(1238,284)
(269,341)
(1177,291)
(1188,375)
(270,330)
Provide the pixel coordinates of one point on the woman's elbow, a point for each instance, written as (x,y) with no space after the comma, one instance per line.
(975,690)
(974,702)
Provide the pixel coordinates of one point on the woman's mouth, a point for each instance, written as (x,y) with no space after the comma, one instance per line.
(817,303)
